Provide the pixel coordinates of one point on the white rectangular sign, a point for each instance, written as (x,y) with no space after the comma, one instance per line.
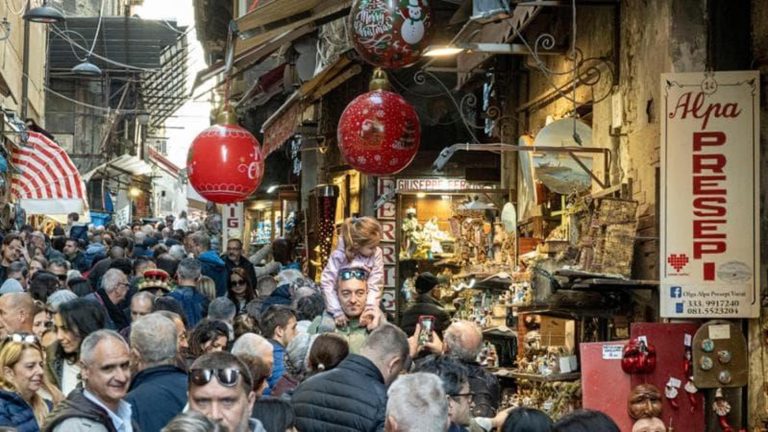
(709,227)
(233,223)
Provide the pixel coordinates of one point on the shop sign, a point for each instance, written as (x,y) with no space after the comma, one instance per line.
(281,129)
(439,184)
(386,214)
(709,227)
(233,221)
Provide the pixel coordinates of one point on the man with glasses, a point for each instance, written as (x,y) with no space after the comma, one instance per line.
(114,288)
(352,290)
(99,405)
(59,268)
(454,377)
(221,388)
(234,258)
(17,313)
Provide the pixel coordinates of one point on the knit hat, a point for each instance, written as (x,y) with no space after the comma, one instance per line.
(425,282)
(11,286)
(154,279)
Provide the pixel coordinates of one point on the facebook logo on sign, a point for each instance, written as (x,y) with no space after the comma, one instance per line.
(676,292)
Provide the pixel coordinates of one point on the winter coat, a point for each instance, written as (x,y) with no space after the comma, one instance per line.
(350,397)
(93,253)
(424,304)
(278,366)
(116,317)
(157,395)
(280,296)
(242,263)
(338,261)
(194,303)
(54,364)
(78,414)
(485,389)
(16,412)
(79,262)
(214,268)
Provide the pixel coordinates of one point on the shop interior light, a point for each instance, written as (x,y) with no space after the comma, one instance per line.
(134,192)
(445,197)
(272,188)
(421,195)
(87,69)
(483,48)
(44,14)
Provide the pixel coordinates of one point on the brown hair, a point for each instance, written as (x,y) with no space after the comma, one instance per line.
(327,351)
(359,232)
(259,369)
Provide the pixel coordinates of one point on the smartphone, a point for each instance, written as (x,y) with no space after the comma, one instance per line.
(427,326)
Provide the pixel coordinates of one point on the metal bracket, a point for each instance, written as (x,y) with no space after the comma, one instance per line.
(449,151)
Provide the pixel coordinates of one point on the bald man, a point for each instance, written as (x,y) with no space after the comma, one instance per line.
(17,312)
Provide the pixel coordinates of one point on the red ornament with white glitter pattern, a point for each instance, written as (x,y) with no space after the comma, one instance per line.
(379,132)
(224,162)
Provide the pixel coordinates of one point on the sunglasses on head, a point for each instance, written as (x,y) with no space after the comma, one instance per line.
(226,377)
(358,274)
(25,338)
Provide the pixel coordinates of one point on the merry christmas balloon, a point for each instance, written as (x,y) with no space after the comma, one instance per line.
(224,162)
(379,132)
(391,33)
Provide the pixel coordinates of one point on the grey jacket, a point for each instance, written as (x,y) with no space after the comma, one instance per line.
(79,424)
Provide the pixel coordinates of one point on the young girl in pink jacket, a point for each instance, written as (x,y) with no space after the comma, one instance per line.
(358,248)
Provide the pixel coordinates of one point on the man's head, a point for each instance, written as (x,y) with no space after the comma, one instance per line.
(279,323)
(199,242)
(17,313)
(115,284)
(253,345)
(142,264)
(387,348)
(38,239)
(105,366)
(188,272)
(59,268)
(222,309)
(234,250)
(181,330)
(141,304)
(425,283)
(18,270)
(11,250)
(72,217)
(153,341)
(352,290)
(463,339)
(221,387)
(454,377)
(71,247)
(417,403)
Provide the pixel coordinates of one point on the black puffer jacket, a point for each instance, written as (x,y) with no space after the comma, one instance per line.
(485,388)
(424,304)
(351,397)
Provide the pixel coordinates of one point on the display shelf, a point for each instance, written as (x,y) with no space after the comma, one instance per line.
(545,309)
(511,373)
(586,281)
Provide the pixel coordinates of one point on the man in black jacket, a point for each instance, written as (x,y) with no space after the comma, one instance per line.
(353,396)
(159,391)
(425,304)
(234,258)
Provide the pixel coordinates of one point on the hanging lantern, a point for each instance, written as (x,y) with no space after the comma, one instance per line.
(379,132)
(224,162)
(391,34)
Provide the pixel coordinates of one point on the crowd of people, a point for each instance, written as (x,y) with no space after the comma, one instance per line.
(148,328)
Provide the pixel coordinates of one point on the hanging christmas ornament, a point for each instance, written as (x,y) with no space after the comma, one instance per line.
(379,132)
(391,33)
(224,162)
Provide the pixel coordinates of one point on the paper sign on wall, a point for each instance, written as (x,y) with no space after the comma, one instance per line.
(709,225)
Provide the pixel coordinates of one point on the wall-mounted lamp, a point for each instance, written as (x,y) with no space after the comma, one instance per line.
(134,192)
(87,69)
(483,48)
(142,117)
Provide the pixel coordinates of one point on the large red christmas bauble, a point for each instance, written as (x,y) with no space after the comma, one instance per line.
(391,33)
(379,133)
(225,164)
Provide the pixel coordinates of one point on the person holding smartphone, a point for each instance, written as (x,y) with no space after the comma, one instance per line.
(425,304)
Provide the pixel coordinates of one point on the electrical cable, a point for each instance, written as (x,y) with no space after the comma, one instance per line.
(20,12)
(61,34)
(98,28)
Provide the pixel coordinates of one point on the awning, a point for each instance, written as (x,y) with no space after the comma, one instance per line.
(281,125)
(122,165)
(48,182)
(261,35)
(161,161)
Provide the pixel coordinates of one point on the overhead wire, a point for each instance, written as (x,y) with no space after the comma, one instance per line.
(20,12)
(98,28)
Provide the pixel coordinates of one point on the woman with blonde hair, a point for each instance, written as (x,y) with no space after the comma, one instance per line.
(207,287)
(22,384)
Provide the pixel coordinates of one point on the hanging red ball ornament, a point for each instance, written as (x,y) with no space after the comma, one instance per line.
(224,162)
(391,33)
(379,132)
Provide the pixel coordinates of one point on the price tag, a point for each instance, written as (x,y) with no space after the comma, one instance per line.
(644,339)
(612,352)
(687,340)
(720,331)
(674,382)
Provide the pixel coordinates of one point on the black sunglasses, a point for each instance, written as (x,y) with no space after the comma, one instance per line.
(358,274)
(238,282)
(226,377)
(62,277)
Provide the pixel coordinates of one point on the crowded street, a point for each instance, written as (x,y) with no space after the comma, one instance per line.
(383,215)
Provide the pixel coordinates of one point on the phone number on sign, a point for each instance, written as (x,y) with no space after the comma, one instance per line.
(707,311)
